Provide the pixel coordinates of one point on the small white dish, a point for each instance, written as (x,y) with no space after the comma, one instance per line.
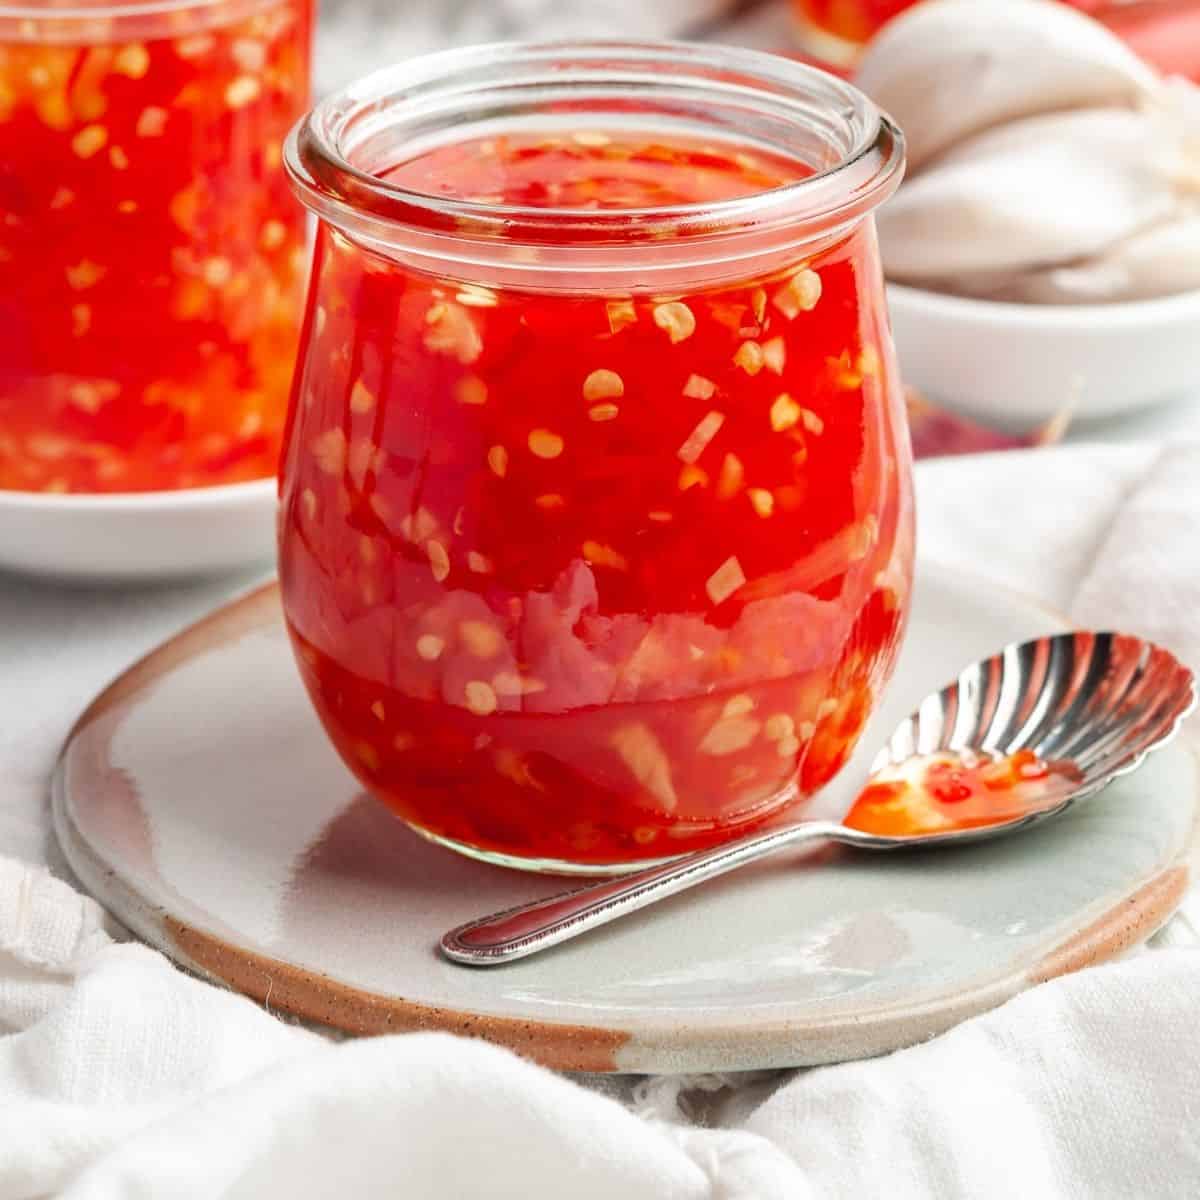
(138,535)
(199,800)
(1016,365)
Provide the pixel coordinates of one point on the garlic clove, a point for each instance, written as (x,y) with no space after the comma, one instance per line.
(1161,261)
(948,69)
(1024,208)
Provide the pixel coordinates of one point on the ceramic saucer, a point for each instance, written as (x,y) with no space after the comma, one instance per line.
(198,800)
(138,535)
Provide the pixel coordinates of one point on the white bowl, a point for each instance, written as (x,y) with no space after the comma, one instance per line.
(1015,365)
(138,535)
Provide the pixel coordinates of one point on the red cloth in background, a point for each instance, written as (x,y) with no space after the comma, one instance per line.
(1166,33)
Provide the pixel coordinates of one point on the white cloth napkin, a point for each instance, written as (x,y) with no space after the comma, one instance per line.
(122,1077)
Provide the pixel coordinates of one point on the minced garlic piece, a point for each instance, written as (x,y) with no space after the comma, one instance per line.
(729,482)
(725,580)
(600,555)
(497,458)
(329,449)
(245,89)
(762,500)
(90,140)
(707,429)
(439,560)
(450,330)
(481,639)
(249,54)
(620,313)
(430,647)
(362,399)
(419,525)
(273,235)
(699,388)
(481,699)
(132,60)
(729,735)
(774,355)
(642,753)
(603,384)
(800,294)
(749,356)
(475,295)
(676,319)
(545,444)
(785,412)
(151,121)
(778,726)
(811,421)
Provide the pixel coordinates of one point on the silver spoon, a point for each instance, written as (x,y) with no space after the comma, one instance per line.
(1098,701)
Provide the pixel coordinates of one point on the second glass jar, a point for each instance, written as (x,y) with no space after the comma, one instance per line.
(596,529)
(151,256)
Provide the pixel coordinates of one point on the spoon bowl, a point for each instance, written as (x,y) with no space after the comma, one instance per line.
(1100,702)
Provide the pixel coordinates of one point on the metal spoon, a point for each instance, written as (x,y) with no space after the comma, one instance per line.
(1099,701)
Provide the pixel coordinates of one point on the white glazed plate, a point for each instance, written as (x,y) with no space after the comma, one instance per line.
(138,535)
(199,800)
(1018,365)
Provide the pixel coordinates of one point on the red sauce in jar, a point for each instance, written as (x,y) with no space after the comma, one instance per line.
(945,792)
(595,578)
(151,255)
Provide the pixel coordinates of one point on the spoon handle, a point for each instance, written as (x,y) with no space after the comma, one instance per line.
(518,932)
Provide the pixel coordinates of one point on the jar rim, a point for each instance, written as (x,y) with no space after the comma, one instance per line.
(864,168)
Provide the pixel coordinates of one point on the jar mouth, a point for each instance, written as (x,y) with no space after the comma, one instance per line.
(87,21)
(854,153)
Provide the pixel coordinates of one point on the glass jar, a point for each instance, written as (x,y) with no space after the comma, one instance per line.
(596,525)
(151,254)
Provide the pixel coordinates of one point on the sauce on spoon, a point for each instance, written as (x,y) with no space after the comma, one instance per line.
(950,791)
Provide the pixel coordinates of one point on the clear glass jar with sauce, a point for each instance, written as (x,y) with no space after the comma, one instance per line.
(596,529)
(151,254)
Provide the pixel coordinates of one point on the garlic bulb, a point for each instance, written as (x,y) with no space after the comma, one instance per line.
(947,69)
(1050,165)
(1161,261)
(1040,192)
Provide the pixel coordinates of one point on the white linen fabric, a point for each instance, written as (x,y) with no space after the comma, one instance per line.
(120,1076)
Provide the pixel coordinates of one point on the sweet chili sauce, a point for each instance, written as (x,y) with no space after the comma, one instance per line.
(593,577)
(151,256)
(945,792)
